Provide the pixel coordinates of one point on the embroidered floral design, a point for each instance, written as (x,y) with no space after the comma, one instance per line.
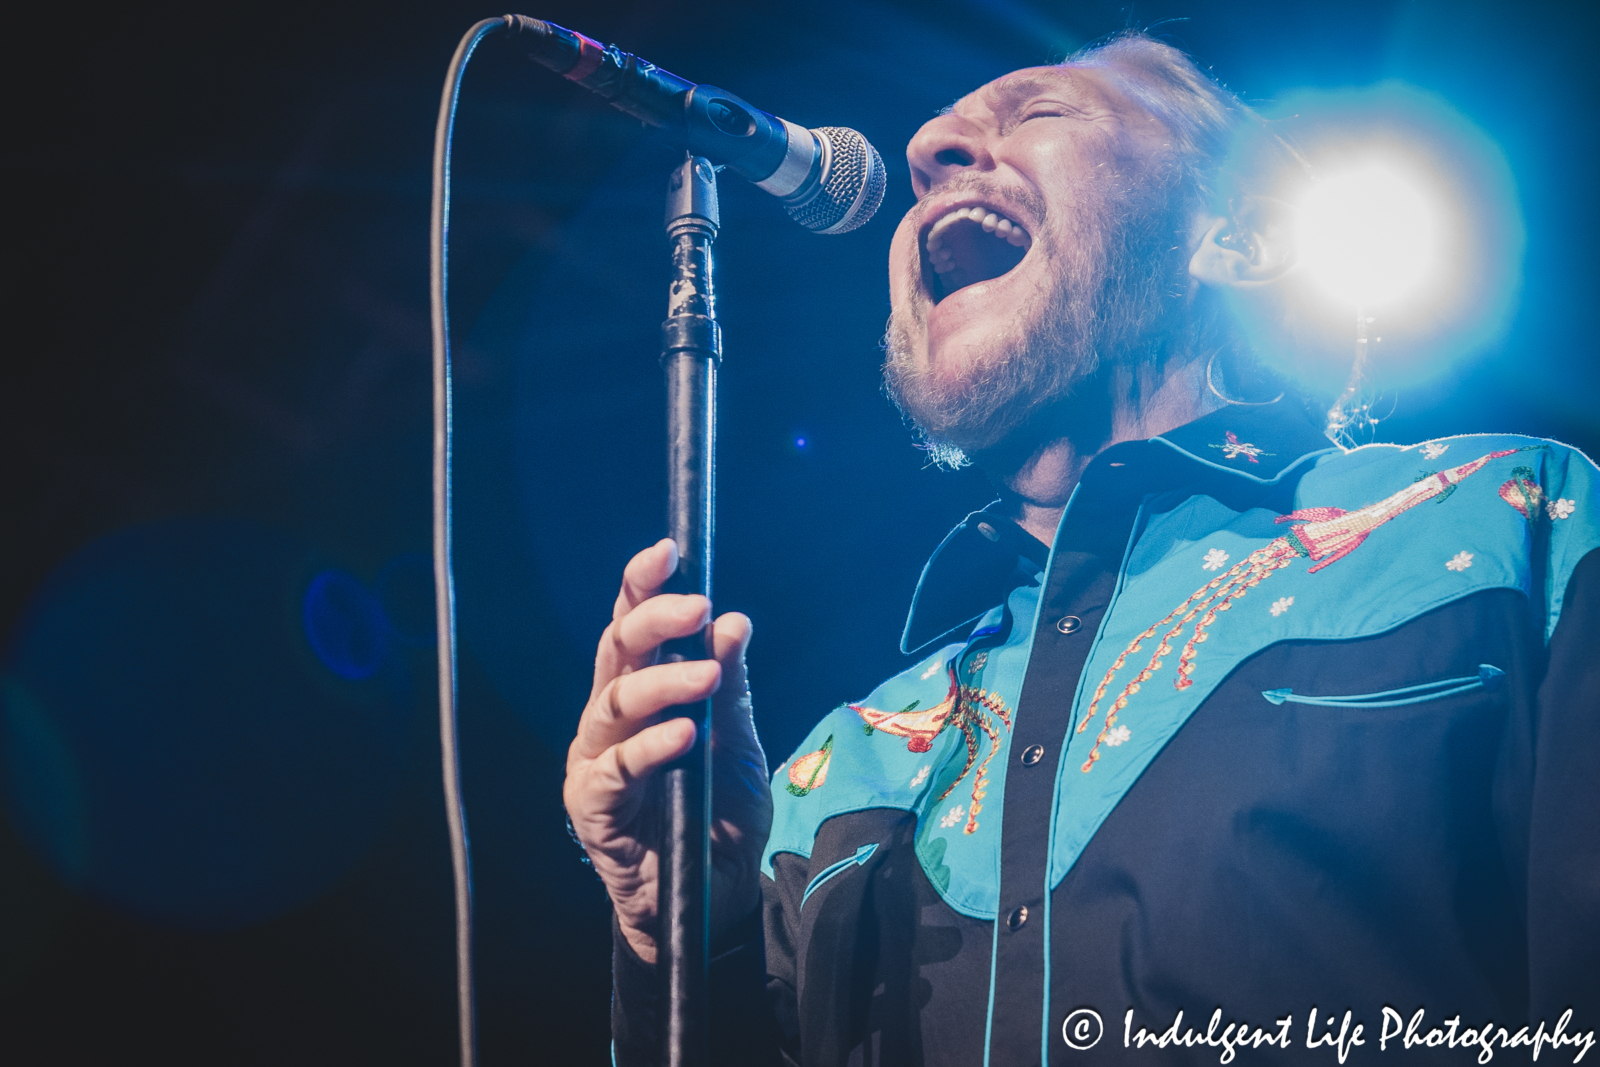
(1459,562)
(965,708)
(1524,492)
(1281,605)
(1214,560)
(921,776)
(1560,509)
(1236,448)
(808,772)
(1324,535)
(953,816)
(1433,450)
(1118,735)
(976,663)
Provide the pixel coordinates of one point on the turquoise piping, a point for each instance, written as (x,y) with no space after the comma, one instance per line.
(988,1021)
(833,869)
(1061,762)
(1214,465)
(1055,803)
(1488,678)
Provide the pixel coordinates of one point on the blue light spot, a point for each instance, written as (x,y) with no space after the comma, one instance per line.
(172,745)
(799,442)
(345,625)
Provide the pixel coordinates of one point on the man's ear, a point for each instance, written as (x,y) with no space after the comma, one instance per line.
(1248,251)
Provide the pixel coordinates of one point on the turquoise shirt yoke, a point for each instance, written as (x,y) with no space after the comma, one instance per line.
(1375,537)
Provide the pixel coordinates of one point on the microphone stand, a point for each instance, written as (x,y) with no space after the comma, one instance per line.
(691,350)
(828,197)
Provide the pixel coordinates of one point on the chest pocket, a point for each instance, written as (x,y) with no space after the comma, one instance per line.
(833,870)
(1488,679)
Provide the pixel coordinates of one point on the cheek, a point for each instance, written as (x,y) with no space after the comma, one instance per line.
(904,262)
(1062,165)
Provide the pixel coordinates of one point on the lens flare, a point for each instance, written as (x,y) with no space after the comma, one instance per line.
(1367,236)
(1396,204)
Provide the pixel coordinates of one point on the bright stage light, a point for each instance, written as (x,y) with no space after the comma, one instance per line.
(1406,236)
(1367,236)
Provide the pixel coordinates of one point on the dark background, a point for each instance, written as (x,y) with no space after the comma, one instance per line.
(225,840)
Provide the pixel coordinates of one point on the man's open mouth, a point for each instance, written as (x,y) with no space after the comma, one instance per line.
(970,245)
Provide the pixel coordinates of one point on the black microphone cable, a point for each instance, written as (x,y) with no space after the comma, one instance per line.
(444,590)
(830,180)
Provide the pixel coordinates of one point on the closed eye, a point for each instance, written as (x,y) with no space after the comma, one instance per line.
(1049,110)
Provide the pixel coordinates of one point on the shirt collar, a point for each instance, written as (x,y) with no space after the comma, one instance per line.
(1257,443)
(987,555)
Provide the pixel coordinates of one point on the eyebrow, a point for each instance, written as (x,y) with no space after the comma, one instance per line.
(1023,89)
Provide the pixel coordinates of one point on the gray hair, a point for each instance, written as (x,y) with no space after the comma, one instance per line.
(1226,161)
(1225,148)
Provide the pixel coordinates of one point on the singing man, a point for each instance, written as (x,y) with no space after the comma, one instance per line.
(1204,714)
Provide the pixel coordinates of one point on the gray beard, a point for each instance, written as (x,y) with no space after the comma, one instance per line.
(1115,301)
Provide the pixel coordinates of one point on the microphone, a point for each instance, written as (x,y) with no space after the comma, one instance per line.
(830,179)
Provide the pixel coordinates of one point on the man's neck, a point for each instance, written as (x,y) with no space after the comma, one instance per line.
(1038,490)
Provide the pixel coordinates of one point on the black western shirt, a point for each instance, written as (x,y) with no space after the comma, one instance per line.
(1272,729)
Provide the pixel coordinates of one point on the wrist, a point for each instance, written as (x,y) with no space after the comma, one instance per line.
(642,944)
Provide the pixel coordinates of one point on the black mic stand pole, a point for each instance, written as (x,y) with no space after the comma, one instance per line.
(691,349)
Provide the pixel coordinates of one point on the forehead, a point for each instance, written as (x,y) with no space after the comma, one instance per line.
(1089,87)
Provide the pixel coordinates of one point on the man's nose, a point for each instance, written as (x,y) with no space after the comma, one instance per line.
(946,146)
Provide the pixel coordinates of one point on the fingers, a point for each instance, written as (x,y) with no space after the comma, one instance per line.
(733,727)
(649,750)
(645,573)
(628,703)
(630,641)
(730,638)
(614,781)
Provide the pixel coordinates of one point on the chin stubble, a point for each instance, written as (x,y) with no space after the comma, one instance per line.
(1109,301)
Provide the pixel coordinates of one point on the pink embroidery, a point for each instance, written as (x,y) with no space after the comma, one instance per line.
(1324,534)
(966,708)
(1523,492)
(1330,534)
(1236,448)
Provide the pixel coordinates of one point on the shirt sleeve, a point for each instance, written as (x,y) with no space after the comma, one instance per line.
(1564,816)
(781,898)
(742,1022)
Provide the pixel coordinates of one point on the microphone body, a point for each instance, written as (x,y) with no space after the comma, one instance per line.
(830,179)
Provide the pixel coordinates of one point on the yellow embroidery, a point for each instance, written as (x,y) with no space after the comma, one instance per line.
(1324,534)
(808,772)
(1524,493)
(966,708)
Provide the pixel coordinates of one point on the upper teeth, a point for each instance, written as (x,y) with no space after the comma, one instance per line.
(944,259)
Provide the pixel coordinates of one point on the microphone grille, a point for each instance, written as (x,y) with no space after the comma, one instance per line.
(852,185)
